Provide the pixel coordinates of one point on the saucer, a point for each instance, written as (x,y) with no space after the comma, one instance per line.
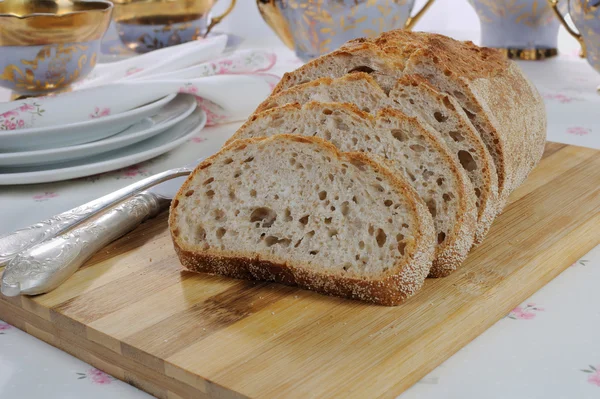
(174,112)
(136,153)
(78,132)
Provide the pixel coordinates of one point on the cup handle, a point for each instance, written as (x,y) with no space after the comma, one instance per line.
(411,21)
(572,32)
(217,19)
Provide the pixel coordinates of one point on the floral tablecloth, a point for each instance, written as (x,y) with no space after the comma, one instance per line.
(548,347)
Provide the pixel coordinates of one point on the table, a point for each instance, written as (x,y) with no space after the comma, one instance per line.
(547,347)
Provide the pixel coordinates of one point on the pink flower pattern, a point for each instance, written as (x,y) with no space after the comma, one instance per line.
(224,66)
(254,64)
(248,64)
(8,114)
(579,131)
(4,327)
(189,89)
(561,98)
(100,112)
(133,70)
(525,313)
(594,375)
(14,119)
(197,139)
(215,114)
(132,171)
(96,376)
(580,262)
(45,196)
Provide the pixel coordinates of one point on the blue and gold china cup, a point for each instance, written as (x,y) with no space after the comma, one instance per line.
(315,27)
(585,15)
(522,29)
(47,45)
(146,25)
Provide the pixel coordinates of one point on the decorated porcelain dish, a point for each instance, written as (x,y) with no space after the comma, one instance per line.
(100,124)
(147,149)
(173,113)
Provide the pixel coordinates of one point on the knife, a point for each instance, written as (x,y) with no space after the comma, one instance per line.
(43,267)
(13,243)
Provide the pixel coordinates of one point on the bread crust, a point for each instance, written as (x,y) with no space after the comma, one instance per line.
(489,198)
(508,105)
(457,245)
(400,282)
(459,241)
(489,202)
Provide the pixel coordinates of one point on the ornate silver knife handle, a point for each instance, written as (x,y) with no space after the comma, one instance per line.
(13,243)
(45,266)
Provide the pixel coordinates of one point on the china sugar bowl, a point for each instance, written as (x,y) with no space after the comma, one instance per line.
(147,25)
(47,45)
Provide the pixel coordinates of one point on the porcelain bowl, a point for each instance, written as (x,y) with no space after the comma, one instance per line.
(147,25)
(47,45)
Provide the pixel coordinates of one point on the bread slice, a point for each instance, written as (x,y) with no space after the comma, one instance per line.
(295,210)
(414,96)
(502,104)
(403,144)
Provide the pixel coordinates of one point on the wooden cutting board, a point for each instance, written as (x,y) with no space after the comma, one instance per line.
(133,313)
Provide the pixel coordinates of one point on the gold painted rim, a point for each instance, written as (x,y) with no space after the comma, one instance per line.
(528,54)
(107,6)
(54,25)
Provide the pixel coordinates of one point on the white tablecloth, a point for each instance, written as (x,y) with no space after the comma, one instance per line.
(548,347)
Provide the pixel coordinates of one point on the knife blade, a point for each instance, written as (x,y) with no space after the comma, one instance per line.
(43,267)
(13,243)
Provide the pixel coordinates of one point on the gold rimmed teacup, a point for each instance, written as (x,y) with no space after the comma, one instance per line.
(520,29)
(315,27)
(585,15)
(146,25)
(46,45)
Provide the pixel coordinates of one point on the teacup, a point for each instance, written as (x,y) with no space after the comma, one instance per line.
(522,29)
(315,27)
(47,45)
(585,14)
(146,25)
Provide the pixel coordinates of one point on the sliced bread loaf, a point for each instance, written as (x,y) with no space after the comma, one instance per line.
(295,210)
(503,105)
(414,96)
(402,143)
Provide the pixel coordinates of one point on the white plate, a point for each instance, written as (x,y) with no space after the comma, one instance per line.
(122,158)
(77,133)
(174,112)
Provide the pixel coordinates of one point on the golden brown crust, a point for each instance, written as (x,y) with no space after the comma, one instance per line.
(252,119)
(395,48)
(516,111)
(463,59)
(271,101)
(401,282)
(516,126)
(391,291)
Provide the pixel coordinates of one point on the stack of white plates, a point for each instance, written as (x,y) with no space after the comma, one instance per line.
(71,150)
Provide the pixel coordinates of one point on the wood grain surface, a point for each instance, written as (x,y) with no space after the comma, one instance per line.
(132,312)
